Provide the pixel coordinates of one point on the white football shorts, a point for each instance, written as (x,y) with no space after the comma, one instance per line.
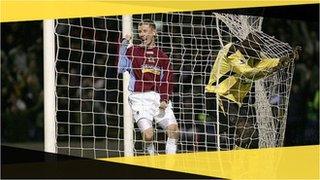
(145,109)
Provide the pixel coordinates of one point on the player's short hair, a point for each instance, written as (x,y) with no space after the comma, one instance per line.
(148,22)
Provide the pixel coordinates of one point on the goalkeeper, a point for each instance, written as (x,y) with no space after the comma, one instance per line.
(150,75)
(245,62)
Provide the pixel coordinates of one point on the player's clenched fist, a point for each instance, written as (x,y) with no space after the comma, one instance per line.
(126,39)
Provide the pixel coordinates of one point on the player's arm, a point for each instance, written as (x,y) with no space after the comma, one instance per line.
(124,62)
(262,69)
(165,87)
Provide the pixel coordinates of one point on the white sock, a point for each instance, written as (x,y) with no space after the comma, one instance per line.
(171,146)
(150,148)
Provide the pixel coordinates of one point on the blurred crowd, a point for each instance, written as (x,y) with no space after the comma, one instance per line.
(21,82)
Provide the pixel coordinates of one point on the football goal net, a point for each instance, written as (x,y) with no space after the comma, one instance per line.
(86,105)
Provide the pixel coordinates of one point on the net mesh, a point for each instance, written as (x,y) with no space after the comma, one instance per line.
(89,103)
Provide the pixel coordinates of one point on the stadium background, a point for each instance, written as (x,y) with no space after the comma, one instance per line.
(22,82)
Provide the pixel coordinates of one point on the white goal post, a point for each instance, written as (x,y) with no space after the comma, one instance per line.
(86,108)
(127,114)
(49,86)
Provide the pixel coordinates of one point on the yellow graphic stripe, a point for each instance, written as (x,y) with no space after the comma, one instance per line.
(21,10)
(301,162)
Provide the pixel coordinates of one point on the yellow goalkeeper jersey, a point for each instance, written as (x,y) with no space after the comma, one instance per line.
(245,71)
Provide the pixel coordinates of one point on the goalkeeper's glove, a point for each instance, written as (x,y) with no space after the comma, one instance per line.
(296,53)
(284,61)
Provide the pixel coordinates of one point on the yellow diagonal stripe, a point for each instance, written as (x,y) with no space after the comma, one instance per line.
(301,162)
(15,10)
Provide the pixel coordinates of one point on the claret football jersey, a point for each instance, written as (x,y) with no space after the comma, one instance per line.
(150,70)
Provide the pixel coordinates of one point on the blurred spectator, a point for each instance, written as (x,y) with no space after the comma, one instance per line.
(22,93)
